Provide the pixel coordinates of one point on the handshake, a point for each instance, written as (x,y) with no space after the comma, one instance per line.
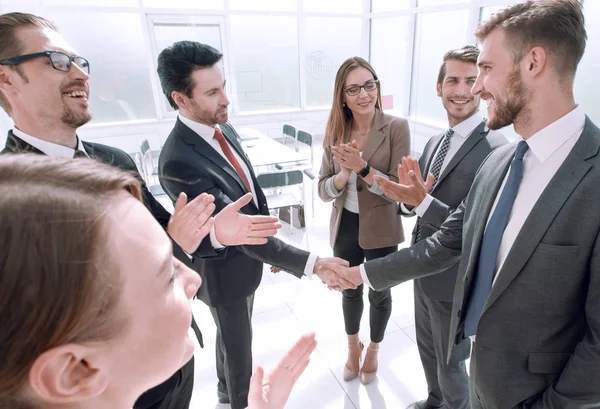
(336,273)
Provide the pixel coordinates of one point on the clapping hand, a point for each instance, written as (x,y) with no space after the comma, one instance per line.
(191,222)
(233,228)
(272,389)
(411,189)
(348,156)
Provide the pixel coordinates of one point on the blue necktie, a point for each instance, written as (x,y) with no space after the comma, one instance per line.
(491,242)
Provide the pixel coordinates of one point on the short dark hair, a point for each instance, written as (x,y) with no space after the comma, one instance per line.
(468,53)
(177,63)
(556,25)
(11,45)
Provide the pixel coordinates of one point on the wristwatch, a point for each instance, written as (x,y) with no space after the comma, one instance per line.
(365,171)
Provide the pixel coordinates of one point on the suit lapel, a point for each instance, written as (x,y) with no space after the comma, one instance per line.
(376,137)
(17,145)
(478,134)
(558,191)
(203,148)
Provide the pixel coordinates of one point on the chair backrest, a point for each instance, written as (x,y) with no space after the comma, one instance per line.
(305,137)
(279,179)
(147,162)
(144,146)
(289,130)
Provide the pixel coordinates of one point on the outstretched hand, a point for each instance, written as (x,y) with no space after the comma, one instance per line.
(233,228)
(272,389)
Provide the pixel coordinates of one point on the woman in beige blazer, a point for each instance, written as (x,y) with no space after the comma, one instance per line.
(360,142)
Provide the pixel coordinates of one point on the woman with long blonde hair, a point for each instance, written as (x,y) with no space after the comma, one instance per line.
(360,142)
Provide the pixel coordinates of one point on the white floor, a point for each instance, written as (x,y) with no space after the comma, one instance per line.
(286,307)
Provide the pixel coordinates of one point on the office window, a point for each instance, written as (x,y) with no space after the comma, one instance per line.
(186,4)
(329,41)
(120,87)
(389,46)
(94,3)
(265,54)
(389,5)
(263,5)
(587,82)
(486,12)
(430,48)
(333,6)
(429,3)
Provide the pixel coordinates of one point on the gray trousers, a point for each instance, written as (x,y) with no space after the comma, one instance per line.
(448,383)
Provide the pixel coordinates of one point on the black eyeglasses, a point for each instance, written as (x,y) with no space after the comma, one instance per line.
(355,89)
(59,60)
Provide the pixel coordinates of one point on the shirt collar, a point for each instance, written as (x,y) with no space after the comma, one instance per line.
(547,141)
(466,127)
(205,131)
(49,148)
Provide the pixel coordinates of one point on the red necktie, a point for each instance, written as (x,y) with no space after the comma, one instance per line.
(231,157)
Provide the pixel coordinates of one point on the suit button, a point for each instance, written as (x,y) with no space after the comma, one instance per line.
(359,188)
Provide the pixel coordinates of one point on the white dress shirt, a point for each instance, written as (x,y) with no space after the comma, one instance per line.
(461,132)
(49,148)
(207,133)
(548,149)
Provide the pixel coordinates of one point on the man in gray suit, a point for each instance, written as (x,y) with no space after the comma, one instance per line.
(452,159)
(527,235)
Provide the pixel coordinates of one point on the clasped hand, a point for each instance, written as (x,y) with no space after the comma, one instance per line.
(348,156)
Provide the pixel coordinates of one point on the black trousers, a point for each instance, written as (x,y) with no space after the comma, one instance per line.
(346,247)
(174,393)
(447,383)
(234,349)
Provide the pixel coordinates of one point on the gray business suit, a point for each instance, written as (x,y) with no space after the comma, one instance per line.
(538,339)
(447,382)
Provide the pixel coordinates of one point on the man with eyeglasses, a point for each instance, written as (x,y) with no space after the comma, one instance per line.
(44,89)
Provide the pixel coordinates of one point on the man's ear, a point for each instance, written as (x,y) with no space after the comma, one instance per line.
(535,61)
(6,80)
(438,88)
(67,374)
(180,99)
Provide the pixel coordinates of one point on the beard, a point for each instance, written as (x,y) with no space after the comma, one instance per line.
(211,118)
(506,112)
(75,119)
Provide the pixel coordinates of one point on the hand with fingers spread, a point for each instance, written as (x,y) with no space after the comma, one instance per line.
(191,222)
(348,156)
(233,228)
(272,389)
(411,189)
(324,269)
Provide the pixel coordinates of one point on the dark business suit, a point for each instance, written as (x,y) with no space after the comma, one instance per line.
(448,382)
(176,392)
(538,338)
(190,164)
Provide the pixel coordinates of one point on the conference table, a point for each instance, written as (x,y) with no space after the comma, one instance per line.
(264,151)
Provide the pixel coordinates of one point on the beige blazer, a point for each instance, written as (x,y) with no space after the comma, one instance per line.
(379,222)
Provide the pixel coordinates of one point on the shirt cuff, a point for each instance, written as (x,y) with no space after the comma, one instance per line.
(405,211)
(213,240)
(374,188)
(422,208)
(310,265)
(330,188)
(363,274)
